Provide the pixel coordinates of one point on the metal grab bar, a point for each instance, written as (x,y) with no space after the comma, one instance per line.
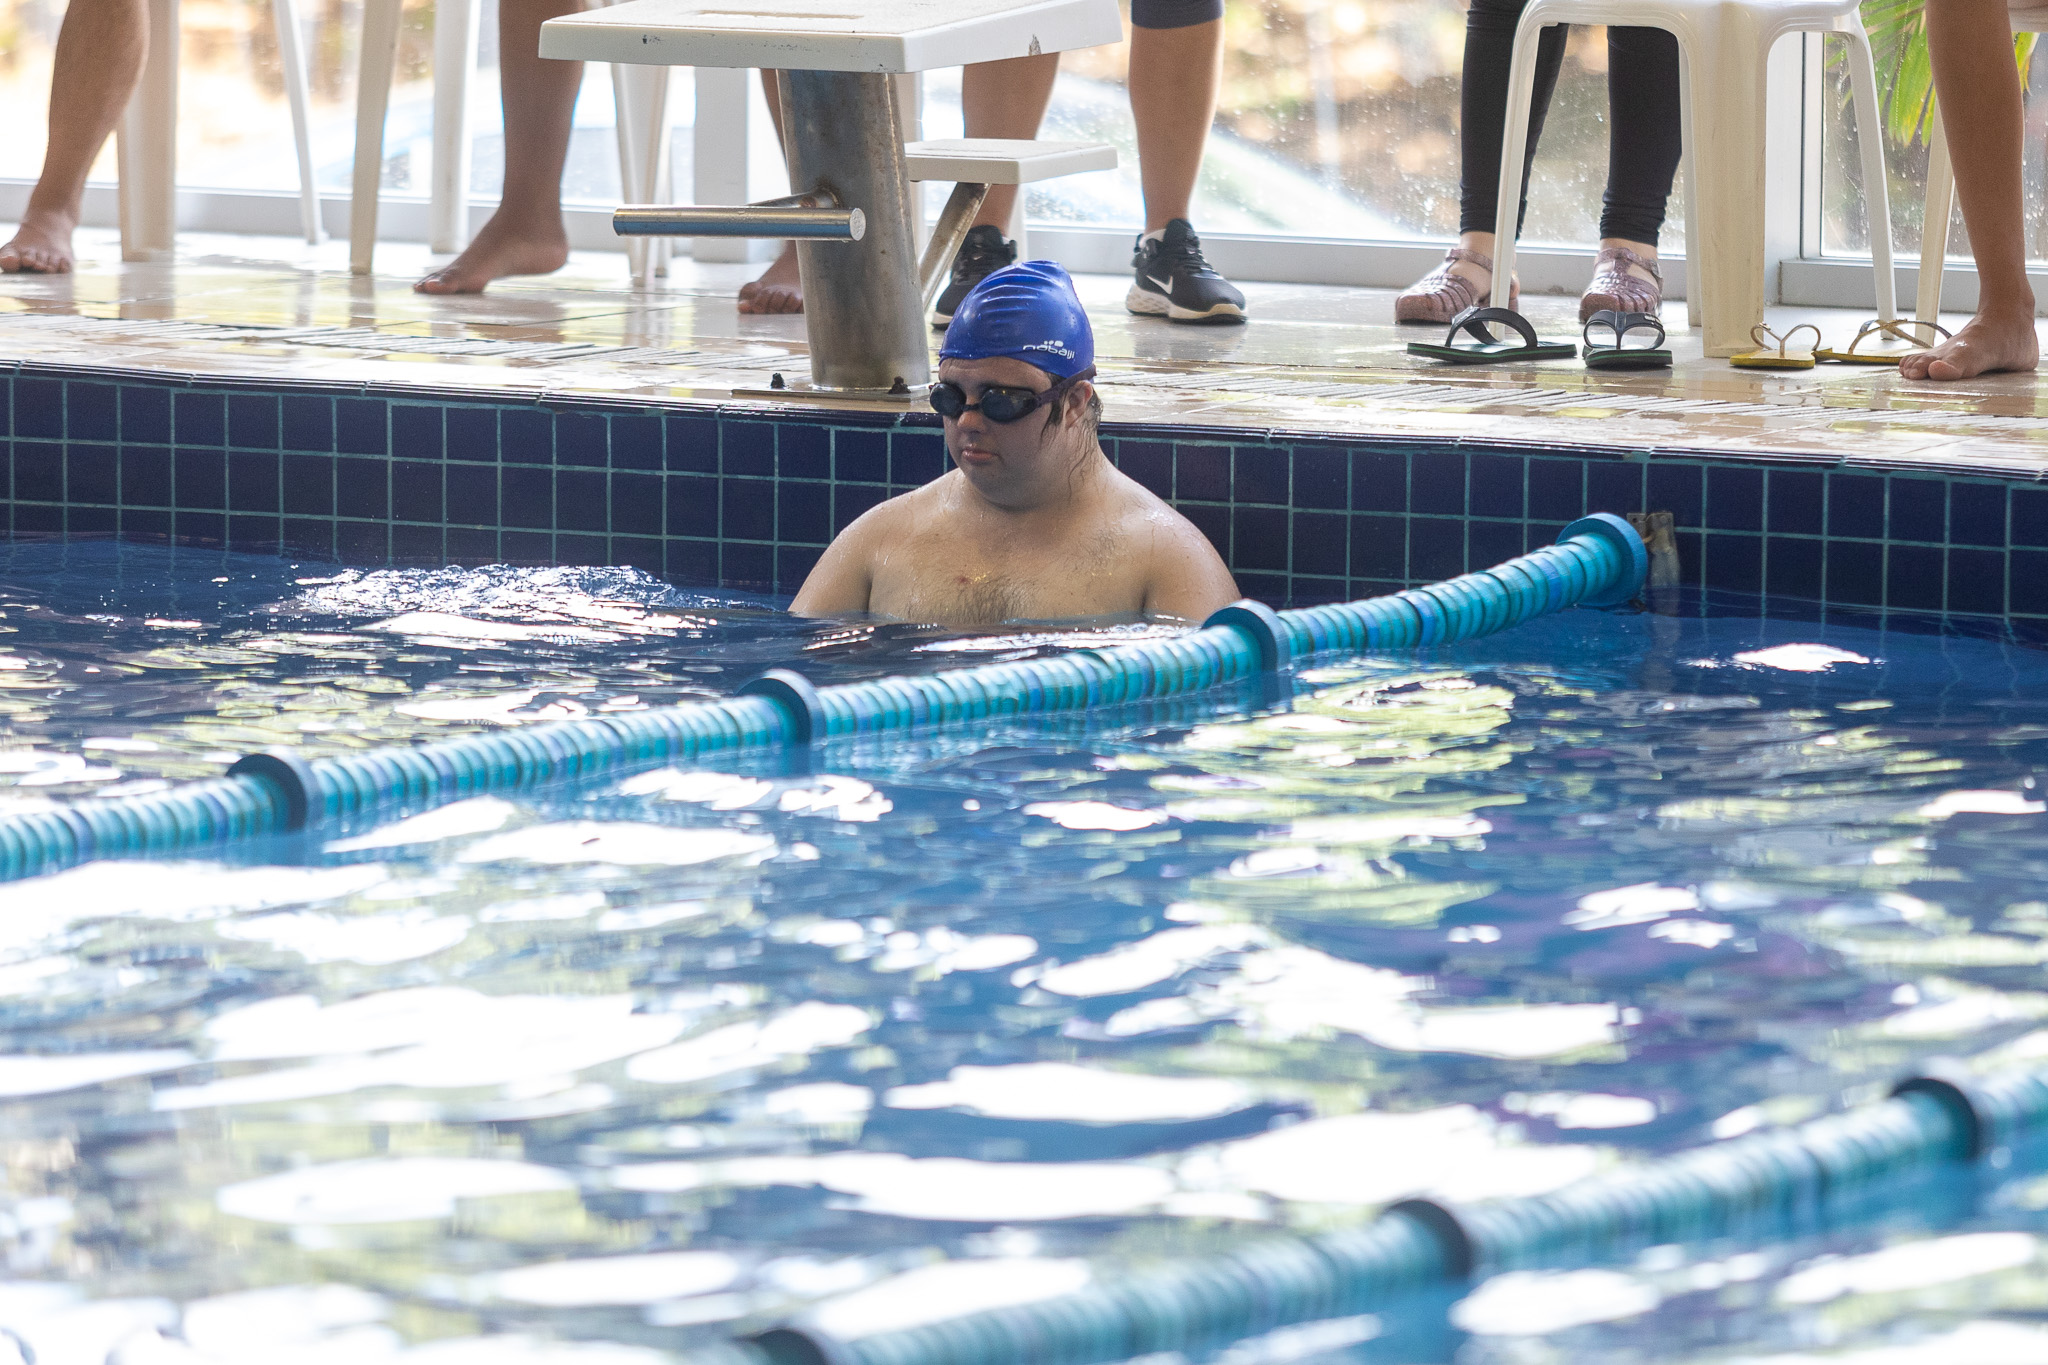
(816,216)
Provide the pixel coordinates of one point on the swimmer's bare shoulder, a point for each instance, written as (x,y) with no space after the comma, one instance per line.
(1185,579)
(843,580)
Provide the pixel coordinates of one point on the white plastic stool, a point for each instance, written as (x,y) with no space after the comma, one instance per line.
(1941,181)
(1723,46)
(147,151)
(146,141)
(640,99)
(147,138)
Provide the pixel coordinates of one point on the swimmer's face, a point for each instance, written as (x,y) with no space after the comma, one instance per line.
(1005,460)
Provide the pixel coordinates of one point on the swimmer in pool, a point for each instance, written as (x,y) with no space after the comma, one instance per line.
(1032,523)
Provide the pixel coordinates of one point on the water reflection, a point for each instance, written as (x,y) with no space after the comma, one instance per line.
(614,1071)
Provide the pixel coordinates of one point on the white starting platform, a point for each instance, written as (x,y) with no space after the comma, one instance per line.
(864,288)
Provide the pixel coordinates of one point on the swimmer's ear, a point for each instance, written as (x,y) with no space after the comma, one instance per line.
(1088,407)
(1075,405)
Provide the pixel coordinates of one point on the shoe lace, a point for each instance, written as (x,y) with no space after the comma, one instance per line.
(1184,256)
(979,255)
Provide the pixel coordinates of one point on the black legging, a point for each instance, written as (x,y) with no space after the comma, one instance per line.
(1642,120)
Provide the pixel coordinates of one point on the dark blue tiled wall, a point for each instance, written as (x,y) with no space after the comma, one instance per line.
(747,498)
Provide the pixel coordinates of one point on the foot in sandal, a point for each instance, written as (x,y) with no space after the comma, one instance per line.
(1625,280)
(1464,280)
(1990,343)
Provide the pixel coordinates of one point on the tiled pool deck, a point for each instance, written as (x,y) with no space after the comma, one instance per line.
(255,395)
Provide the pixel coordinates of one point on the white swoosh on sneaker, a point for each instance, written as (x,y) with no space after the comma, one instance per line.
(1164,286)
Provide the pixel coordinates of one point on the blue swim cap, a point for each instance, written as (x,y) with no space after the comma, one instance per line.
(1028,312)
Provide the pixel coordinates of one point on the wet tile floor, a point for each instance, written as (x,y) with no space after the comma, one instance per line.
(1314,359)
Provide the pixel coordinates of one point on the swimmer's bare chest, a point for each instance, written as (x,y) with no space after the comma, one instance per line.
(940,574)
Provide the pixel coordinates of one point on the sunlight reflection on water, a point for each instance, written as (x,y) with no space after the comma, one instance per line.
(614,1070)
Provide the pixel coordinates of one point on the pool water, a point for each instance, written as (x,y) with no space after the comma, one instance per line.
(897,1029)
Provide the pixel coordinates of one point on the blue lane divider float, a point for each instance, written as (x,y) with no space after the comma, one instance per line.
(1768,1182)
(1597,561)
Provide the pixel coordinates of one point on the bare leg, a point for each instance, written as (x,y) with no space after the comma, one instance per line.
(526,235)
(779,290)
(1006,99)
(1174,76)
(99,57)
(1970,42)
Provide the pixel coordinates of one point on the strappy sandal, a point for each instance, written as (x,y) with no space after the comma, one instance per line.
(1443,293)
(1617,356)
(1489,350)
(1888,355)
(1614,290)
(1784,357)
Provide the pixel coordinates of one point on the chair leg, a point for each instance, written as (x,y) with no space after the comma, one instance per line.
(373,98)
(455,44)
(640,108)
(719,140)
(1513,150)
(1877,200)
(1728,55)
(1695,246)
(1941,202)
(147,153)
(291,55)
(664,191)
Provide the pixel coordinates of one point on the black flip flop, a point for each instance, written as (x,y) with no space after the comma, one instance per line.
(1489,350)
(1620,357)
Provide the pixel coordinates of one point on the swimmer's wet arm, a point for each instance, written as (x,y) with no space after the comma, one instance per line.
(843,578)
(1187,579)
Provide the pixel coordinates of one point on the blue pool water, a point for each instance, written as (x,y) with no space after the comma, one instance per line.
(605,1073)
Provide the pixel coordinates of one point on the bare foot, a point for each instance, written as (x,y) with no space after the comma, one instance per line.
(501,247)
(779,290)
(41,245)
(1988,344)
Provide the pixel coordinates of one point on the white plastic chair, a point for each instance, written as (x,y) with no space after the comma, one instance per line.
(1724,46)
(1941,181)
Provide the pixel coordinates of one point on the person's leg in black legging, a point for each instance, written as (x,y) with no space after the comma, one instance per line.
(1483,117)
(1642,141)
(1483,108)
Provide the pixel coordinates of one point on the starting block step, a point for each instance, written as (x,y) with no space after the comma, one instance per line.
(1003,161)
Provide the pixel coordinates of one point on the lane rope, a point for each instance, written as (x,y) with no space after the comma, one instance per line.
(1790,1179)
(1597,561)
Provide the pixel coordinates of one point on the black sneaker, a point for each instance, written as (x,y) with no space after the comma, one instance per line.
(1175,283)
(985,250)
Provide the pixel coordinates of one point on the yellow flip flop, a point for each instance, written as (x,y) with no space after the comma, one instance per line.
(1784,358)
(1878,329)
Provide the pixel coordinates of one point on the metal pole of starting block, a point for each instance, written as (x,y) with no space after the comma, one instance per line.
(843,132)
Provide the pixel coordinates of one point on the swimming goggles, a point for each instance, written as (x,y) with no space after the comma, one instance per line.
(1000,405)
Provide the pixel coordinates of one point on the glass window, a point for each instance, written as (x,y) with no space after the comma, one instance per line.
(1844,225)
(1337,119)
